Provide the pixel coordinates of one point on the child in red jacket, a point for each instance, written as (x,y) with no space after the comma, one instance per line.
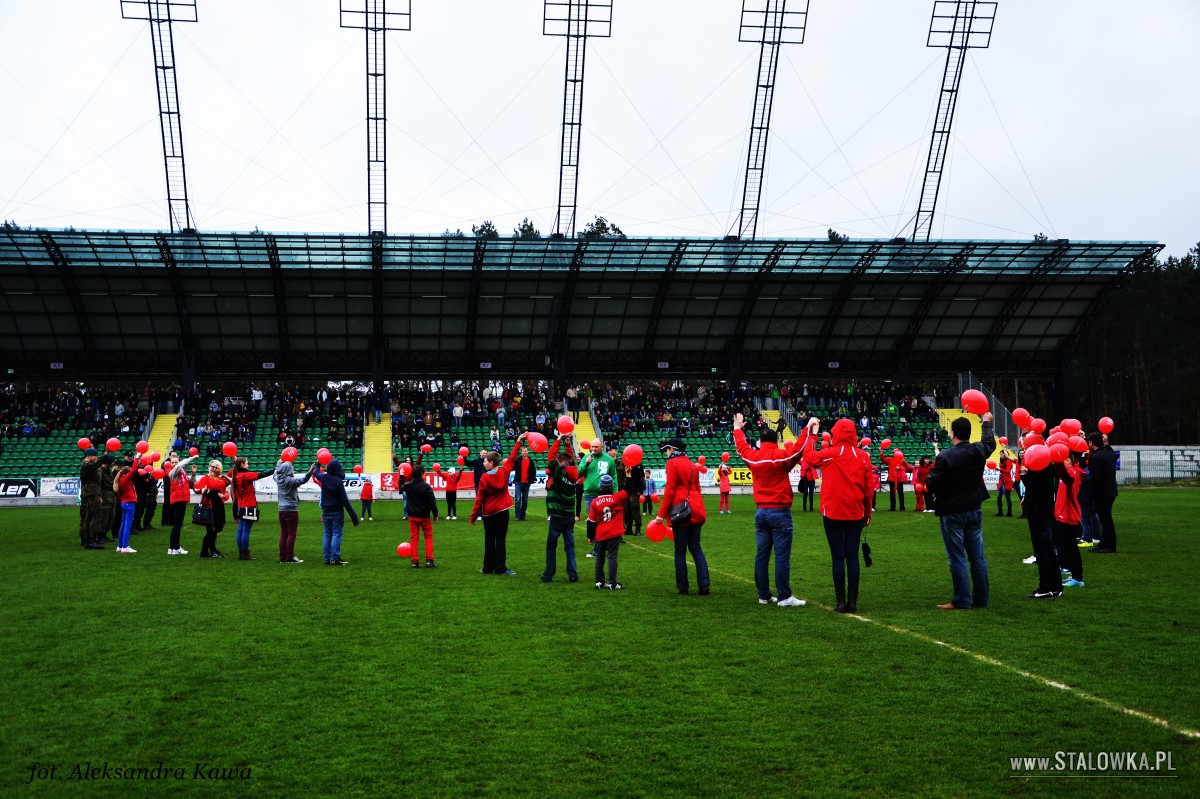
(606,523)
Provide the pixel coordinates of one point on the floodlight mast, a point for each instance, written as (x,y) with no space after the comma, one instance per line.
(957,25)
(161,14)
(375,19)
(576,20)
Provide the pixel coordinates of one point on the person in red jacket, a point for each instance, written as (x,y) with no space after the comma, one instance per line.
(181,497)
(770,467)
(492,504)
(213,489)
(808,486)
(1004,485)
(920,474)
(452,477)
(245,503)
(1068,520)
(607,515)
(127,498)
(898,469)
(366,496)
(683,484)
(845,506)
(723,472)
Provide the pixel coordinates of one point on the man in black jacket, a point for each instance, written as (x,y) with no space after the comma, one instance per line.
(1102,466)
(1037,507)
(956,483)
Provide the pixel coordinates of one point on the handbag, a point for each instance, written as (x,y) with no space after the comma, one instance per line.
(202,514)
(250,514)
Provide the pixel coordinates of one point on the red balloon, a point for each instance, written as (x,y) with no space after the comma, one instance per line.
(155,457)
(974,401)
(1003,441)
(145,459)
(437,467)
(1105,425)
(885,444)
(405,469)
(702,460)
(113,444)
(1056,429)
(866,442)
(537,442)
(632,456)
(1078,444)
(427,448)
(142,447)
(84,443)
(158,474)
(404,550)
(670,534)
(193,451)
(724,457)
(654,499)
(322,451)
(229,448)
(992,465)
(1057,438)
(464,451)
(1071,426)
(565,425)
(1033,439)
(703,469)
(898,455)
(1038,426)
(289,454)
(462,461)
(1059,452)
(358,468)
(1022,418)
(826,436)
(324,457)
(1037,457)
(656,532)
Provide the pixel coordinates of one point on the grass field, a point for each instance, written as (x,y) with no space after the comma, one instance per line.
(379,680)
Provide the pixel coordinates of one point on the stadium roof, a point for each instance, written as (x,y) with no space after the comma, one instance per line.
(116,304)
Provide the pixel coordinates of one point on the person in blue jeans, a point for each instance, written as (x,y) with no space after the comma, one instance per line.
(334,501)
(956,483)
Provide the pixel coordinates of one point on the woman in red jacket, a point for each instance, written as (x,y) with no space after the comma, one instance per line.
(924,467)
(492,504)
(213,489)
(683,483)
(245,503)
(846,476)
(181,497)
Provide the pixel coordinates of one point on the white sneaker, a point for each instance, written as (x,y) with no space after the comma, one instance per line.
(120,550)
(181,551)
(770,601)
(1029,561)
(792,602)
(172,551)
(130,551)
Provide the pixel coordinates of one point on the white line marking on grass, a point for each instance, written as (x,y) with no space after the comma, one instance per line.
(991,661)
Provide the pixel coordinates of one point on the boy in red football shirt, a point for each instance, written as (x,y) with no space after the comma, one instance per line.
(606,522)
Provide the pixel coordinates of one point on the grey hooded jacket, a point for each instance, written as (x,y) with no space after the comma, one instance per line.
(289,484)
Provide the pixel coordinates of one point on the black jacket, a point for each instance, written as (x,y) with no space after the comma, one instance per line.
(956,480)
(1038,503)
(533,470)
(422,504)
(1102,467)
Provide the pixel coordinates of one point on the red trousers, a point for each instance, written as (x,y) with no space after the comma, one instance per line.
(920,499)
(724,503)
(415,528)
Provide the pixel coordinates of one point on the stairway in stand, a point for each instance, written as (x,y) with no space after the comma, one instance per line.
(161,435)
(377,446)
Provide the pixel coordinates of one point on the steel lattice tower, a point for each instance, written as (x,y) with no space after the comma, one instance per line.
(161,14)
(576,20)
(374,18)
(771,25)
(957,25)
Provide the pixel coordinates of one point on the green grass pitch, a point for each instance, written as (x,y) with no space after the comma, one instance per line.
(380,680)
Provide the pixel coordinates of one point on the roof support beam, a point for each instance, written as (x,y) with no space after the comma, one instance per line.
(660,298)
(187,341)
(560,317)
(845,292)
(281,314)
(738,340)
(63,267)
(472,350)
(902,350)
(1051,260)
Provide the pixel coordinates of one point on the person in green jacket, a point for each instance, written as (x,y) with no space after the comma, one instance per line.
(597,464)
(90,504)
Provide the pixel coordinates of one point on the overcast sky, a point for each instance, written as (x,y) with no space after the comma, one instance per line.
(1080,120)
